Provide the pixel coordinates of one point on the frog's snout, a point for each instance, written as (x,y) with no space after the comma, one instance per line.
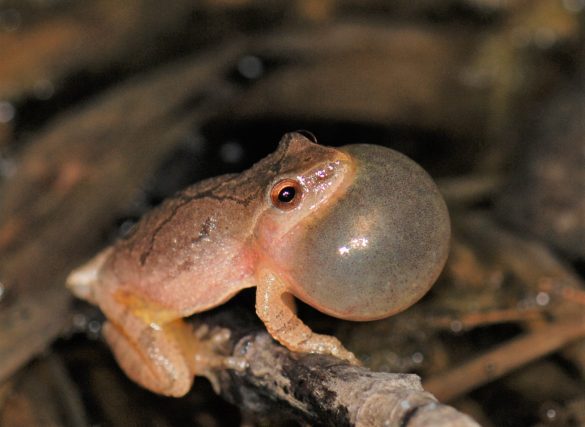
(381,246)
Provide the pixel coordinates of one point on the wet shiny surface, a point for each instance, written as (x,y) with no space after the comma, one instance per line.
(380,247)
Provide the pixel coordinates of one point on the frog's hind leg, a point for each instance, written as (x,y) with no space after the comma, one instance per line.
(150,359)
(148,344)
(276,308)
(152,350)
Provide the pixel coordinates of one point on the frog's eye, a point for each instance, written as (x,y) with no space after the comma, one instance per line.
(286,194)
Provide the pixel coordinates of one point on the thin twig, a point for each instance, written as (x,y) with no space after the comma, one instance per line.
(496,363)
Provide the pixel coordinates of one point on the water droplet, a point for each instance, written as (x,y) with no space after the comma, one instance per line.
(542,298)
(93,329)
(417,358)
(231,152)
(7,112)
(456,326)
(251,67)
(551,414)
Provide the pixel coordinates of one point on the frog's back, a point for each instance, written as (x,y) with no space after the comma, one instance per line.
(196,250)
(190,253)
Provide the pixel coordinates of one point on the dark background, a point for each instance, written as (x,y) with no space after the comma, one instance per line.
(108,107)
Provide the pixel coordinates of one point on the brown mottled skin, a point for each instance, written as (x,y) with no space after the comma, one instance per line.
(365,236)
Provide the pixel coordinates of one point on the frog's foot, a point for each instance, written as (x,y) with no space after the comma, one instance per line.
(326,344)
(276,308)
(212,355)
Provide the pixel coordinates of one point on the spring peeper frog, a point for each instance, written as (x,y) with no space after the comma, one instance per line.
(360,233)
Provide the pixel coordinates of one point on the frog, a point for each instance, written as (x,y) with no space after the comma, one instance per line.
(359,232)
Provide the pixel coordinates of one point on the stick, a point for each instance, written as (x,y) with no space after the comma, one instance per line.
(319,389)
(512,355)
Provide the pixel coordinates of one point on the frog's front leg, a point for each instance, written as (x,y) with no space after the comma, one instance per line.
(275,306)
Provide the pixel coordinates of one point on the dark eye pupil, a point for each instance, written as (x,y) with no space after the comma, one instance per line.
(286,194)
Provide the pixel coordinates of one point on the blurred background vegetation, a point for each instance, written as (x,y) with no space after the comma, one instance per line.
(108,107)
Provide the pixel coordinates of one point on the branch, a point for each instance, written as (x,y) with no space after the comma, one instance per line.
(319,389)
